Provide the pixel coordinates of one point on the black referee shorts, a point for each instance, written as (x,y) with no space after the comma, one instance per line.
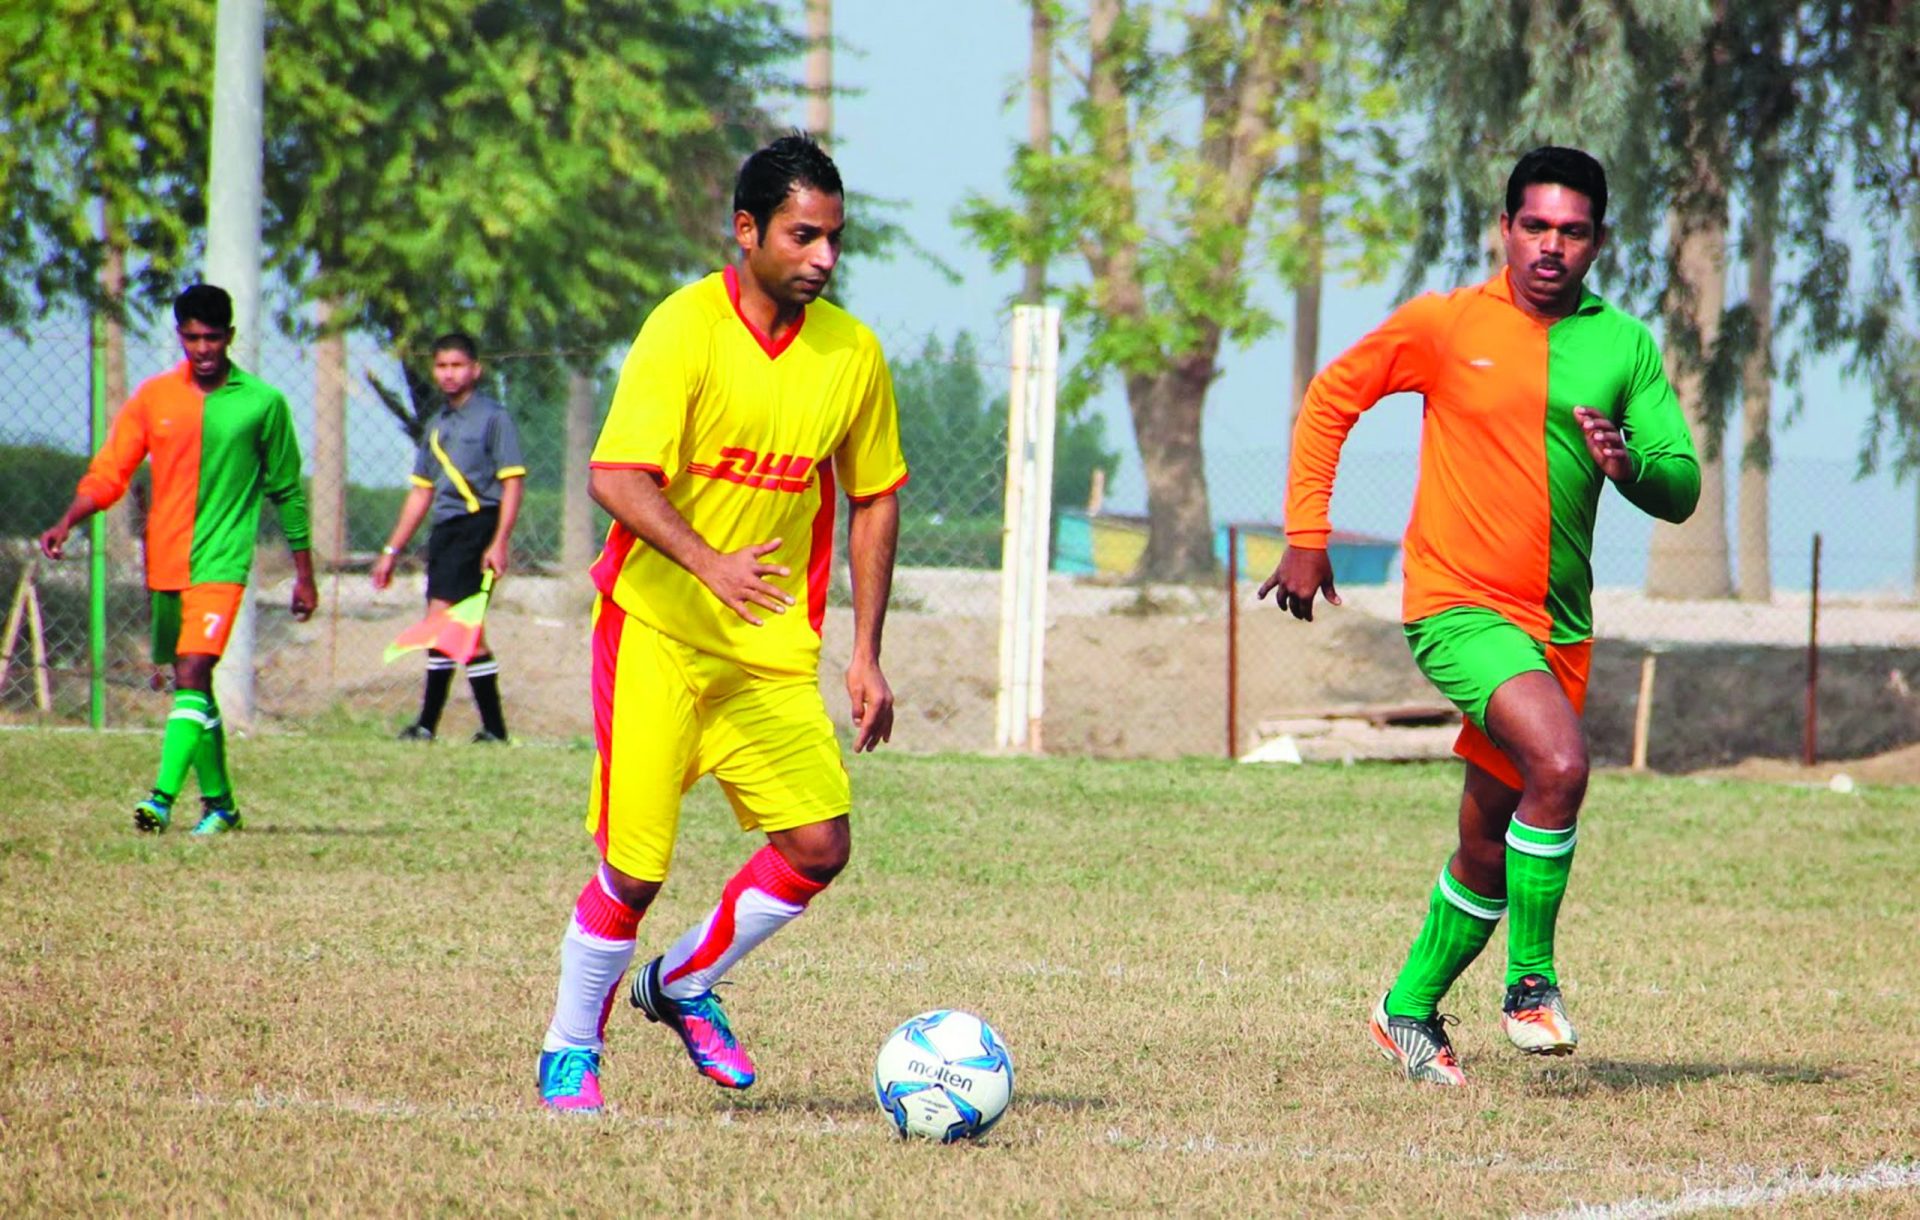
(454,549)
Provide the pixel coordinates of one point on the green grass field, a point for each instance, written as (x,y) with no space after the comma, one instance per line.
(338,1010)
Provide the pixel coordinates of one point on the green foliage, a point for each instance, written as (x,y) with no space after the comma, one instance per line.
(36,485)
(543,170)
(103,146)
(954,435)
(1486,83)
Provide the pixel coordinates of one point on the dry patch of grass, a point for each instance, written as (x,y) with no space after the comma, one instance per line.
(338,1010)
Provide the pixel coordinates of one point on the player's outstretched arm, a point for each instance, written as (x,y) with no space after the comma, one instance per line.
(1303,573)
(873,536)
(737,578)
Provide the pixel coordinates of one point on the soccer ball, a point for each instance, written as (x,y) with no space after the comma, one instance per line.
(944,1075)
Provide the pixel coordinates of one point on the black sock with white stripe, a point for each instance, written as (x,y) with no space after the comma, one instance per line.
(483,675)
(439,682)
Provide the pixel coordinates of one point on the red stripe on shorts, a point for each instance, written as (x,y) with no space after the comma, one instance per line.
(607,628)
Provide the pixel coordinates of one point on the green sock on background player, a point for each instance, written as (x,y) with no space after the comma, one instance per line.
(210,761)
(1538,864)
(1459,923)
(186,727)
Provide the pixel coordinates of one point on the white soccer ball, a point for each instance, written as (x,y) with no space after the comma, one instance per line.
(944,1075)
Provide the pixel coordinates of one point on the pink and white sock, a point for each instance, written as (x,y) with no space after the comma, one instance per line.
(763,897)
(594,954)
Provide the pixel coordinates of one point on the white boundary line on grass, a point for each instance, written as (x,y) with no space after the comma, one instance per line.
(1755,1192)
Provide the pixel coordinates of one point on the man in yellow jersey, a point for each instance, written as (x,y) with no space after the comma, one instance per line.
(742,406)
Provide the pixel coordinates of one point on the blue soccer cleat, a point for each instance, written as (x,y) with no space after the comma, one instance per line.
(218,819)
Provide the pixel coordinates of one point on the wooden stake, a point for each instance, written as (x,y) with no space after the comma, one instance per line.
(1643,711)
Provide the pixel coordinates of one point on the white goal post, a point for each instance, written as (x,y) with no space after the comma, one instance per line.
(1026,528)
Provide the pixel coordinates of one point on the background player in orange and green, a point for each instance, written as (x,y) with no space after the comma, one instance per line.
(220,439)
(1537,394)
(745,405)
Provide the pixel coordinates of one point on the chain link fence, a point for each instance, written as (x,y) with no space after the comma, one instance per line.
(1132,669)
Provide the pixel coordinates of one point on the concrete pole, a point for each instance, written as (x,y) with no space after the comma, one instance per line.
(233,260)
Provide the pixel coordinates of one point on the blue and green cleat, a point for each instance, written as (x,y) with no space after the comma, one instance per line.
(154,813)
(702,1025)
(218,819)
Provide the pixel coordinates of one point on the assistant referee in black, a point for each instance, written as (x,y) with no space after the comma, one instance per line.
(470,476)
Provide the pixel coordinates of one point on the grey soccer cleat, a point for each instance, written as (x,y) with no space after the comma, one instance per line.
(1421,1048)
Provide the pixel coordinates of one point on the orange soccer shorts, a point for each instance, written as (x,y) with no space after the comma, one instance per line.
(198,618)
(665,714)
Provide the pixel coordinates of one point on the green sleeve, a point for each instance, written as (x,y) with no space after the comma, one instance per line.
(1666,482)
(281,450)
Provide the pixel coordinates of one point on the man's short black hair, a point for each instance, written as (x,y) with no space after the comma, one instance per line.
(205,304)
(1568,167)
(457,341)
(770,175)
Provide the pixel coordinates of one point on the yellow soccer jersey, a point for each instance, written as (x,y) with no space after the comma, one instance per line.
(749,438)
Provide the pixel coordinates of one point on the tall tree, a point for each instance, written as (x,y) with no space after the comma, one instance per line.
(1741,121)
(1165,186)
(1879,90)
(537,173)
(1690,559)
(541,170)
(101,155)
(1339,105)
(101,152)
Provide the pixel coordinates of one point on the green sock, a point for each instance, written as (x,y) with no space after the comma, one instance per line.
(1538,862)
(210,761)
(1459,924)
(186,726)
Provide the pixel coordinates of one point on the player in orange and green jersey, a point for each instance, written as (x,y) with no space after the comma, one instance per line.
(1538,393)
(745,407)
(220,439)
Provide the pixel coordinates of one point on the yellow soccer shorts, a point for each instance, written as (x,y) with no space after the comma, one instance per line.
(665,714)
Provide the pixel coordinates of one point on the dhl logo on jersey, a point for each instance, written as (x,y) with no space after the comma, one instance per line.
(770,471)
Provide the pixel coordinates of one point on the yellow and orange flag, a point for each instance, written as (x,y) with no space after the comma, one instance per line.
(454,630)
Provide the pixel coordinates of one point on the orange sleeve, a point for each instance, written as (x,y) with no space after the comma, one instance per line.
(111,470)
(1395,358)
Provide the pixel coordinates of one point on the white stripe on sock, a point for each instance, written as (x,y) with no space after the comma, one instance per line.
(1545,851)
(1471,904)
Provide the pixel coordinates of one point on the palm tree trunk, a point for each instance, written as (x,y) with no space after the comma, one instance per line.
(1689,560)
(1166,410)
(1756,408)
